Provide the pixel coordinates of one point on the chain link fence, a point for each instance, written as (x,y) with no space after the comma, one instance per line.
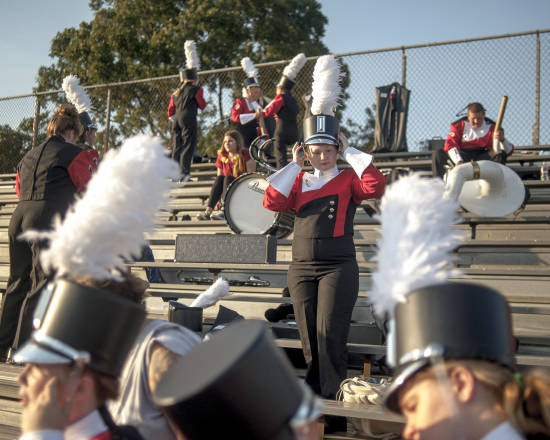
(442,77)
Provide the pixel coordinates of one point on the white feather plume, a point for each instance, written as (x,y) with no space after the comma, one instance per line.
(76,94)
(292,69)
(105,227)
(191,56)
(326,88)
(417,240)
(210,296)
(249,67)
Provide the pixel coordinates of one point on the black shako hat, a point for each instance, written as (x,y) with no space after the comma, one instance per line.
(251,82)
(450,321)
(75,323)
(288,78)
(321,129)
(286,83)
(86,121)
(189,74)
(238,384)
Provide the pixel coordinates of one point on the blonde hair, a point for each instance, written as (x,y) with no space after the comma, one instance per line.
(239,166)
(64,119)
(523,398)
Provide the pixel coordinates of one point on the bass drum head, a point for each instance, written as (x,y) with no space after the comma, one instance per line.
(243,205)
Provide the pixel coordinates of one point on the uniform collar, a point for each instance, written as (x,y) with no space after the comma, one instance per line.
(329,174)
(318,179)
(251,104)
(480,131)
(87,427)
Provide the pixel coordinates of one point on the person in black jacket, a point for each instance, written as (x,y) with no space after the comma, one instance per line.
(48,178)
(183,107)
(246,112)
(323,277)
(285,109)
(182,111)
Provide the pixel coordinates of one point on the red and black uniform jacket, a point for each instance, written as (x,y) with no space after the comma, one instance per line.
(184,104)
(285,109)
(463,136)
(323,226)
(54,171)
(249,130)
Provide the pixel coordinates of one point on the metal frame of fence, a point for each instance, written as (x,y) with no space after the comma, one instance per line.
(462,70)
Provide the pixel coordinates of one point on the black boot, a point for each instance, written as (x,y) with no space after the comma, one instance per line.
(281,312)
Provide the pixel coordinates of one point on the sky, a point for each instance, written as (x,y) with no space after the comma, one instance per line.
(28,27)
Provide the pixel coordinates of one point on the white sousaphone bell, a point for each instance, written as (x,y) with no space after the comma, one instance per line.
(486,188)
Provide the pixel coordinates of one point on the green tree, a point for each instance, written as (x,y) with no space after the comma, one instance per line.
(13,145)
(129,40)
(361,135)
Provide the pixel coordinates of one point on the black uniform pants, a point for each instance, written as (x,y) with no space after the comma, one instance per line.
(219,189)
(26,277)
(185,145)
(280,152)
(323,295)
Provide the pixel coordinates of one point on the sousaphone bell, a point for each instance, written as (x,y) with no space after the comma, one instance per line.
(258,148)
(486,188)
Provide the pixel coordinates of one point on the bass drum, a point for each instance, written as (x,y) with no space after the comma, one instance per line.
(245,213)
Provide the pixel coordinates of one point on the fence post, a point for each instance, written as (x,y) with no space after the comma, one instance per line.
(536,125)
(220,108)
(107,122)
(35,122)
(403,67)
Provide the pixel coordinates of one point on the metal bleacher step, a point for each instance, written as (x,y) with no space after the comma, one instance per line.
(510,254)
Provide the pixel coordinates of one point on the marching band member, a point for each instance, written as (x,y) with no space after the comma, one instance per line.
(471,138)
(80,359)
(285,109)
(48,179)
(246,111)
(232,161)
(93,309)
(182,111)
(238,385)
(323,278)
(451,344)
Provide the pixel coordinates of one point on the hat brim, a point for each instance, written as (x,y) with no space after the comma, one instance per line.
(33,353)
(321,139)
(391,400)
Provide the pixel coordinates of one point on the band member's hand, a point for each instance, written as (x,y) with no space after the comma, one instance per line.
(47,411)
(343,142)
(297,157)
(258,114)
(500,136)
